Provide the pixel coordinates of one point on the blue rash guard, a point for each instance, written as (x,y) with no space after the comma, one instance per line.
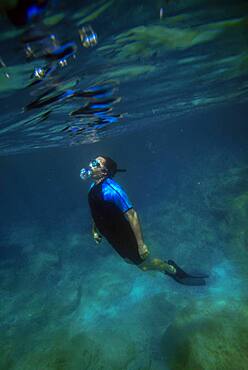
(108,203)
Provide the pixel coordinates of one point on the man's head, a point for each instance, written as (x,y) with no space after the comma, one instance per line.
(103,167)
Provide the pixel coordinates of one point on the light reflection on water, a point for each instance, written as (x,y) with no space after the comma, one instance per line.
(161,63)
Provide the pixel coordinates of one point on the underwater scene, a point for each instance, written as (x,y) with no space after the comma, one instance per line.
(133,115)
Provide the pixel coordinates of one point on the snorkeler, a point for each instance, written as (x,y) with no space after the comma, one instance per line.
(115,218)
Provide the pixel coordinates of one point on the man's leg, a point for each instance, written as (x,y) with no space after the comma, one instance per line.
(181,277)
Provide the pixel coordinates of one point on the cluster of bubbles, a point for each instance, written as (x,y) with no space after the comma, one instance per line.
(40,45)
(49,86)
(96,112)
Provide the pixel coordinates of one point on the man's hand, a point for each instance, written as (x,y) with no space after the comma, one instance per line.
(143,251)
(96,236)
(95,233)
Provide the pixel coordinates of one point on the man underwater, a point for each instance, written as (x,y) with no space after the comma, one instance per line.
(115,218)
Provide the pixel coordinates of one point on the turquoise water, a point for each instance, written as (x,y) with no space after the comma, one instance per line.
(67,303)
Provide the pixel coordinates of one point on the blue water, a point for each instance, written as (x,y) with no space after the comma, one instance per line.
(67,303)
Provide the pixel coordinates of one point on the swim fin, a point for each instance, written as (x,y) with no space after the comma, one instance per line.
(184,278)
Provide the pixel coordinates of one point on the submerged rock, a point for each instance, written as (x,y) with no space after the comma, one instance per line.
(209,336)
(227,202)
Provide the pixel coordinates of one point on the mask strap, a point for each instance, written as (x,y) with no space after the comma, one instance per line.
(121,170)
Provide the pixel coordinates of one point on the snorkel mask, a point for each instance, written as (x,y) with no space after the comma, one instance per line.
(110,167)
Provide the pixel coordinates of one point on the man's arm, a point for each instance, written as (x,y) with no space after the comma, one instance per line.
(133,219)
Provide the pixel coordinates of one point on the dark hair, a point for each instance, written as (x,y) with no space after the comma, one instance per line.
(110,165)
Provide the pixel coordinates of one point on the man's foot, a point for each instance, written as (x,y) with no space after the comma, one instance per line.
(182,277)
(170,269)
